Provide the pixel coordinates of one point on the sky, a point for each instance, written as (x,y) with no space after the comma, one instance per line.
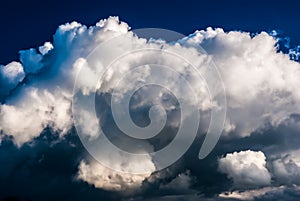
(29,23)
(90,110)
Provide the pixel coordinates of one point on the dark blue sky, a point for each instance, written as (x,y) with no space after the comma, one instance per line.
(26,24)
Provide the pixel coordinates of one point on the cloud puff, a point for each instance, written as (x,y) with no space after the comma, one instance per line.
(33,111)
(10,76)
(102,177)
(246,168)
(45,48)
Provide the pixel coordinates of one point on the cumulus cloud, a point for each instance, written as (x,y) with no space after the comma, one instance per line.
(102,177)
(246,168)
(10,76)
(44,99)
(261,86)
(32,112)
(248,65)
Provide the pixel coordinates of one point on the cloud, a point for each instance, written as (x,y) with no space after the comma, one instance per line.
(248,65)
(10,76)
(182,182)
(246,168)
(45,48)
(281,193)
(253,67)
(265,193)
(33,111)
(105,178)
(260,81)
(248,194)
(286,169)
(47,162)
(263,101)
(44,98)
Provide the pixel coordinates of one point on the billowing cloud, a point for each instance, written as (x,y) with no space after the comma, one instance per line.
(10,76)
(261,84)
(246,168)
(105,178)
(33,111)
(248,65)
(261,87)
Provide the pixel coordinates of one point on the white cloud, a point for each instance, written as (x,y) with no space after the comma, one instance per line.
(246,168)
(32,111)
(10,76)
(102,177)
(261,86)
(45,48)
(45,99)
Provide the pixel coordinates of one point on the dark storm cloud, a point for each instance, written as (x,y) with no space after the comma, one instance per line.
(45,169)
